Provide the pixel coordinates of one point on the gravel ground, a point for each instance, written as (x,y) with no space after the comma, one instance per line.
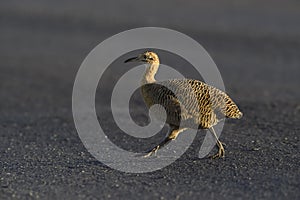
(256,47)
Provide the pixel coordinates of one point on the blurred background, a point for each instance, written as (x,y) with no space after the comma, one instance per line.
(256,46)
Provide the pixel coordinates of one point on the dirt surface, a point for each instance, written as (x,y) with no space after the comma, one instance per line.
(256,47)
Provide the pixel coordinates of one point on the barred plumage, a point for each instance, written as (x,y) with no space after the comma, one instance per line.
(191,102)
(213,104)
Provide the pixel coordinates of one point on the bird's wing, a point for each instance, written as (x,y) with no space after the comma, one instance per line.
(197,99)
(212,99)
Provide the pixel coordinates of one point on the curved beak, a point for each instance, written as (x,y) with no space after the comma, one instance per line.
(131,60)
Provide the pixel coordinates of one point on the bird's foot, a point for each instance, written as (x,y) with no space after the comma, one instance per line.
(221,152)
(153,151)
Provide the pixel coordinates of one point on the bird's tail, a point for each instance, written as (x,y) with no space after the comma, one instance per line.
(232,111)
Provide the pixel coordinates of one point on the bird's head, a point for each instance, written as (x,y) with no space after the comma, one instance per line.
(146,57)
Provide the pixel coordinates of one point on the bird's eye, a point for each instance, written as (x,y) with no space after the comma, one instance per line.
(145,57)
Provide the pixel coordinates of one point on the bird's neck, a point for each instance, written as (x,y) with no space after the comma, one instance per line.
(149,75)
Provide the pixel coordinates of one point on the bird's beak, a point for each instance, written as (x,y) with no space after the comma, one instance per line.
(132,59)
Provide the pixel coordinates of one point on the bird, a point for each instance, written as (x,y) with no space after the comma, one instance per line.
(201,105)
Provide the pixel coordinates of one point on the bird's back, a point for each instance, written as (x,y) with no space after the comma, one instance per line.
(190,101)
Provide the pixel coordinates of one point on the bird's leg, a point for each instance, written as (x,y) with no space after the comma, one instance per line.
(174,132)
(221,152)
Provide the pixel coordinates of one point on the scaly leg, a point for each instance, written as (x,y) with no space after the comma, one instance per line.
(221,152)
(174,132)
